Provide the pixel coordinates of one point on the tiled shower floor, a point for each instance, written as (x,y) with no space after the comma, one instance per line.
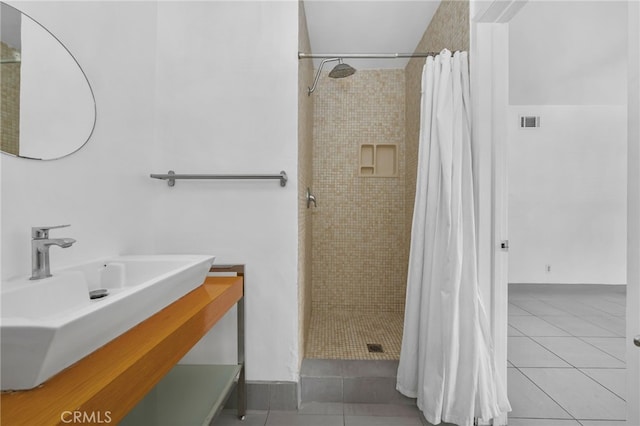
(340,334)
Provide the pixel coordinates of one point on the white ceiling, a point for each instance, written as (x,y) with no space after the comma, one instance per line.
(371,26)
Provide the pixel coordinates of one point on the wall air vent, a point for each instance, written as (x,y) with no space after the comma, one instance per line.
(529,121)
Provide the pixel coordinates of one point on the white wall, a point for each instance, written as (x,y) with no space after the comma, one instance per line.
(567,195)
(102,190)
(567,179)
(227,103)
(568,53)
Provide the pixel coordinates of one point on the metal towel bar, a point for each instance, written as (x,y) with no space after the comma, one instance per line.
(171,177)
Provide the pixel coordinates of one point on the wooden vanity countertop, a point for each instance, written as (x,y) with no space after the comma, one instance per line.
(105,385)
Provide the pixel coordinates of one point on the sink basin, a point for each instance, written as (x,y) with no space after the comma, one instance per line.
(49,324)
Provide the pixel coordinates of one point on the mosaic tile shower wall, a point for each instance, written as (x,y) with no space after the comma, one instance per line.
(359,245)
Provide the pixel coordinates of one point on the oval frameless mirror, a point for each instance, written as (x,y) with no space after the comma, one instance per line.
(48,108)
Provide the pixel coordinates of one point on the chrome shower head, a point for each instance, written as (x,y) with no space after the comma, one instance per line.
(339,71)
(342,70)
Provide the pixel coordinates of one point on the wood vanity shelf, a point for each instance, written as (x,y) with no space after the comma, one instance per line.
(106,385)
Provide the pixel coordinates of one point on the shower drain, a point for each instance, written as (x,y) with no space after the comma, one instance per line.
(375,347)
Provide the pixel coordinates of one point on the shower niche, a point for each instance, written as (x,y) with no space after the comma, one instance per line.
(378,160)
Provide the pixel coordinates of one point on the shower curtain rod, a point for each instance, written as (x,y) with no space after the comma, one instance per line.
(302,55)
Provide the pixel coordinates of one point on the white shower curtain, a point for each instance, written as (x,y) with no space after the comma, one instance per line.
(446,361)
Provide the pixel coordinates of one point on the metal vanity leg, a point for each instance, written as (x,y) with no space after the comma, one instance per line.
(242,386)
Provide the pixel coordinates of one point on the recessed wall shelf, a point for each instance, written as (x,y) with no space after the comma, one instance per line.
(378,160)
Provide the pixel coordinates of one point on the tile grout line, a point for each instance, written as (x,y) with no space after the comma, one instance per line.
(548,350)
(543,391)
(595,307)
(593,379)
(559,308)
(518,330)
(602,350)
(567,331)
(579,338)
(565,360)
(608,329)
(570,335)
(542,301)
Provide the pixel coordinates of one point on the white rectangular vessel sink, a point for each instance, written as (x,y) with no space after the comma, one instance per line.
(51,323)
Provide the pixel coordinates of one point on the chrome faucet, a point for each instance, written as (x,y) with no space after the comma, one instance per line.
(40,245)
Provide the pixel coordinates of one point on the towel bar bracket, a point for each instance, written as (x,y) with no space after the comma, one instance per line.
(283,178)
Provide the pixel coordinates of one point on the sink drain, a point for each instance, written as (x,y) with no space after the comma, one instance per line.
(98,294)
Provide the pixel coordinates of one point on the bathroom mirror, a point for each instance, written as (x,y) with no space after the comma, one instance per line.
(48,108)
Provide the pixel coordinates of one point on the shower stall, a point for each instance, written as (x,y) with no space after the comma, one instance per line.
(358,145)
(359,240)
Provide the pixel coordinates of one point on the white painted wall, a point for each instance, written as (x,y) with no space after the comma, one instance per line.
(567,179)
(227,103)
(568,53)
(102,190)
(567,195)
